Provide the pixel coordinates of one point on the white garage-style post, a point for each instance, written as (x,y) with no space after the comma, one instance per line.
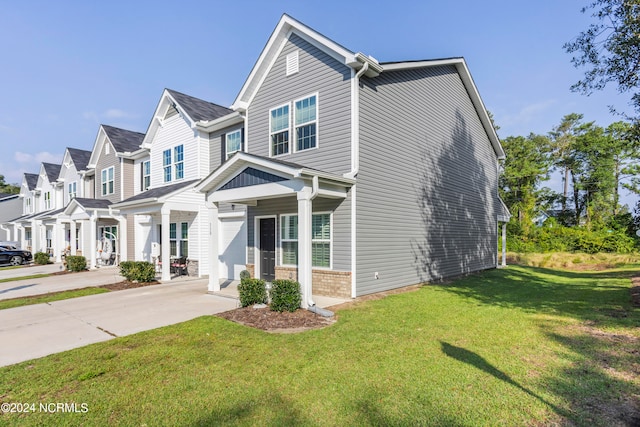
(214,263)
(304,246)
(72,238)
(93,231)
(165,255)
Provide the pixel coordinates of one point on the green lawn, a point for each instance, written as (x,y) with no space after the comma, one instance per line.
(33,276)
(56,296)
(517,346)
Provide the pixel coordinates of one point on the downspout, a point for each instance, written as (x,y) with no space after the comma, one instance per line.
(355,155)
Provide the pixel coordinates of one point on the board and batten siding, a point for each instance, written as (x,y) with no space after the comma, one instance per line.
(105,161)
(174,131)
(318,73)
(426,193)
(341,226)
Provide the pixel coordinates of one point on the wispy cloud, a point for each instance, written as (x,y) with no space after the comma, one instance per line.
(37,158)
(526,114)
(111,113)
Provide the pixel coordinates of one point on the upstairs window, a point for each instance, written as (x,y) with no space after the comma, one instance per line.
(233,142)
(47,200)
(146,175)
(107,181)
(178,158)
(279,130)
(305,123)
(27,205)
(166,163)
(73,190)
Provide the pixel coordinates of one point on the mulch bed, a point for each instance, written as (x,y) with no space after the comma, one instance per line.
(125,284)
(273,321)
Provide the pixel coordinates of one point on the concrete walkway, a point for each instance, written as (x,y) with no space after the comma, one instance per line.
(42,329)
(43,285)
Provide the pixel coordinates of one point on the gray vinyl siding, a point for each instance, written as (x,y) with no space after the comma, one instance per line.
(104,161)
(129,180)
(215,146)
(427,188)
(131,237)
(341,209)
(318,73)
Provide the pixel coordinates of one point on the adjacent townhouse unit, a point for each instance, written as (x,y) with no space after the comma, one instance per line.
(10,208)
(358,176)
(187,138)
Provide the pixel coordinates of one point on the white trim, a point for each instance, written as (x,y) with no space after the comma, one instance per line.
(113,180)
(228,215)
(256,242)
(226,143)
(279,239)
(292,63)
(294,126)
(354,246)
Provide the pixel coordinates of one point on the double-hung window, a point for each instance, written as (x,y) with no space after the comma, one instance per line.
(233,142)
(320,240)
(107,181)
(27,205)
(166,164)
(73,190)
(178,159)
(184,239)
(146,175)
(279,130)
(47,200)
(306,114)
(179,243)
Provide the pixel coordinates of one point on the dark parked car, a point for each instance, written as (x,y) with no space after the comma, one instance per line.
(13,256)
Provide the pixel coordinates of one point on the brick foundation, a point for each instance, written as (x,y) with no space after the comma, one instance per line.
(251,269)
(325,282)
(193,268)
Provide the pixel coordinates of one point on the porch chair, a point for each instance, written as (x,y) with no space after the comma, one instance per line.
(179,265)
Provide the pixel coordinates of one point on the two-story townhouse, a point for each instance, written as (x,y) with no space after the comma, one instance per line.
(10,208)
(187,137)
(359,176)
(110,178)
(72,186)
(21,225)
(49,207)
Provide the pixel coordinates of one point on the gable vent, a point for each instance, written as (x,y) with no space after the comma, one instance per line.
(292,63)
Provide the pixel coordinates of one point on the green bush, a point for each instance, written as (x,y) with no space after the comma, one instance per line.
(41,258)
(138,271)
(76,263)
(244,274)
(285,295)
(252,291)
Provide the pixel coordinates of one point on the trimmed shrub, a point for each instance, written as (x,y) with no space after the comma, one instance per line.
(41,258)
(76,263)
(244,274)
(138,271)
(252,291)
(285,295)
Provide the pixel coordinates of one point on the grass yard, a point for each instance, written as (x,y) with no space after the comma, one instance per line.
(32,276)
(516,346)
(55,296)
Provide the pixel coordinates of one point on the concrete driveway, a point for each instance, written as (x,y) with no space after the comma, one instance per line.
(39,330)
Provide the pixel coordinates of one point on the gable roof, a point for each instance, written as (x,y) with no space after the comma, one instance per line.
(7,196)
(52,171)
(198,109)
(32,180)
(286,26)
(123,140)
(79,157)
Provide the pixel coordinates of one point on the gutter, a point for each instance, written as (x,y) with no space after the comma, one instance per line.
(355,135)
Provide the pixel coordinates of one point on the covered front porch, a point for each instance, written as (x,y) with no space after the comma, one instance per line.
(291,215)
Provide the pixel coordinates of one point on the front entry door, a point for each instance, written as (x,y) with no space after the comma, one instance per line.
(268,249)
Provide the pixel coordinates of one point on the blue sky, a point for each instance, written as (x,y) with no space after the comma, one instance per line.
(68,66)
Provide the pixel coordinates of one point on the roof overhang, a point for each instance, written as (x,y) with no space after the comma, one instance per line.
(166,101)
(220,123)
(153,200)
(472,90)
(99,142)
(294,179)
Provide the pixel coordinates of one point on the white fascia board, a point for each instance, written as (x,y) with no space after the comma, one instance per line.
(136,203)
(135,155)
(258,192)
(97,148)
(220,123)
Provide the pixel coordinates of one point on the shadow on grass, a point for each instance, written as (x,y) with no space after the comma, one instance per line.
(282,413)
(601,296)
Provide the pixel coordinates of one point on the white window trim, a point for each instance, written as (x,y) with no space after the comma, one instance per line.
(316,121)
(279,240)
(73,184)
(287,104)
(175,163)
(146,175)
(167,165)
(178,239)
(47,200)
(239,132)
(104,184)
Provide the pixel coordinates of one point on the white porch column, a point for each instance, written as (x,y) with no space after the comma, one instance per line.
(58,236)
(72,237)
(214,261)
(165,249)
(122,238)
(35,237)
(504,244)
(304,246)
(93,231)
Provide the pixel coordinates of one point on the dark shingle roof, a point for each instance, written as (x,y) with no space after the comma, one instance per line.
(24,217)
(123,140)
(49,214)
(7,196)
(52,171)
(93,203)
(32,180)
(198,109)
(155,193)
(80,158)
